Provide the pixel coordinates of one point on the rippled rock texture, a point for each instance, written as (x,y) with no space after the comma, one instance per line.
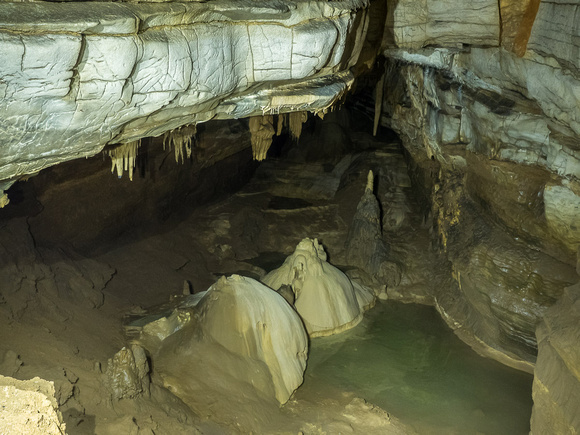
(485,98)
(556,388)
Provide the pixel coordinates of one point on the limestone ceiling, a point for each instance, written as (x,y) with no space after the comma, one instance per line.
(75,77)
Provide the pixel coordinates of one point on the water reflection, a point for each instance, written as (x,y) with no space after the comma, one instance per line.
(404,359)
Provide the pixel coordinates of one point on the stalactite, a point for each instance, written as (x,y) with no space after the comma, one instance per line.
(3,199)
(378,103)
(282,120)
(123,158)
(295,121)
(262,130)
(180,139)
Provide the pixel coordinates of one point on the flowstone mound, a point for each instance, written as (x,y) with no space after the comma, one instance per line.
(251,333)
(325,297)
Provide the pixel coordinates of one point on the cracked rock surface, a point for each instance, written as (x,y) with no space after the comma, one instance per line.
(76,77)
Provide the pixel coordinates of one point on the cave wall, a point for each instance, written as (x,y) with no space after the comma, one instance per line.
(485,97)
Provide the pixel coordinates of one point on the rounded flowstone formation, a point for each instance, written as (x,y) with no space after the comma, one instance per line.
(325,297)
(254,334)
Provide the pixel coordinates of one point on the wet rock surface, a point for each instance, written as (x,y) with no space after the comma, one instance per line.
(490,129)
(556,389)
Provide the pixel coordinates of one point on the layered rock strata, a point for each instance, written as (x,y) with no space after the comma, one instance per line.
(556,389)
(76,77)
(486,102)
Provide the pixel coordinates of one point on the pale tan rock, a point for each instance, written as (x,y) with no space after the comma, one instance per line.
(252,330)
(253,321)
(326,299)
(29,407)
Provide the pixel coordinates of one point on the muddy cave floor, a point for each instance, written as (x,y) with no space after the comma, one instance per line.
(250,233)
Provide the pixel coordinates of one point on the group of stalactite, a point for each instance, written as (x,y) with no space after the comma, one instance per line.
(262,130)
(124,156)
(181,140)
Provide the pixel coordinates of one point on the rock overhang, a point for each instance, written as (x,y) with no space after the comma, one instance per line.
(79,76)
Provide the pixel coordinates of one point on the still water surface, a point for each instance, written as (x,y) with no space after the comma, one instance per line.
(403,358)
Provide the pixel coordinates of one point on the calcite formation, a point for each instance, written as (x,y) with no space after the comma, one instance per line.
(128,373)
(260,339)
(123,158)
(262,131)
(325,298)
(181,140)
(79,76)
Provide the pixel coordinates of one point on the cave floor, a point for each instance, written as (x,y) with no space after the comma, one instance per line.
(68,341)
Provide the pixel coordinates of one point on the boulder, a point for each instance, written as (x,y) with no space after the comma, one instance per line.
(29,407)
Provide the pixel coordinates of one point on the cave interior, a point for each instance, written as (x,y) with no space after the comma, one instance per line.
(357,217)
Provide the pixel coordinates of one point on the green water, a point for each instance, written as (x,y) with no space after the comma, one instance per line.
(404,359)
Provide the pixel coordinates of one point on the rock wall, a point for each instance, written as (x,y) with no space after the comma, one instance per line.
(76,77)
(556,389)
(485,98)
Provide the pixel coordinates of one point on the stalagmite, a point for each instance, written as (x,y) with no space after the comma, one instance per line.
(123,158)
(282,120)
(378,103)
(262,130)
(180,139)
(365,247)
(128,373)
(326,299)
(295,121)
